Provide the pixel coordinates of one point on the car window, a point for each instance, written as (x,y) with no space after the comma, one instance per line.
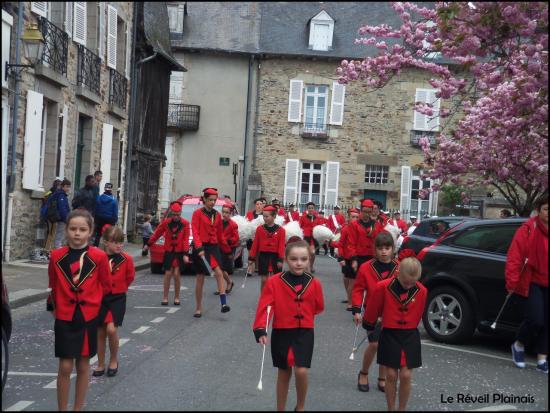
(487,238)
(435,228)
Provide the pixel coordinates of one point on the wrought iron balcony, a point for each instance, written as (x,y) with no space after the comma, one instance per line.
(416,135)
(56,45)
(117,89)
(314,130)
(184,117)
(89,69)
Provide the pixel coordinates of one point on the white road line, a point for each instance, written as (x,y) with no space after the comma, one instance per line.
(495,408)
(53,383)
(17,407)
(141,330)
(157,307)
(29,373)
(172,310)
(427,343)
(158,320)
(121,342)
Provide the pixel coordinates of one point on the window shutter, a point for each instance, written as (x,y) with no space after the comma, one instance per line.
(434,197)
(101,35)
(176,87)
(337,104)
(405,204)
(69,18)
(295,101)
(420,121)
(33,137)
(291,181)
(111,36)
(106,149)
(432,123)
(40,8)
(79,30)
(331,191)
(61,172)
(128,49)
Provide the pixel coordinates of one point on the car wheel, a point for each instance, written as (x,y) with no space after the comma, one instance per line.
(5,358)
(156,268)
(239,262)
(448,316)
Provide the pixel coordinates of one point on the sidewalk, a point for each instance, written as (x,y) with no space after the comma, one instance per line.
(27,281)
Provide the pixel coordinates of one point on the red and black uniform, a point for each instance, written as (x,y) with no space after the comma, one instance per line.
(268,248)
(251,216)
(295,300)
(208,236)
(368,276)
(401,311)
(231,234)
(113,306)
(340,222)
(343,252)
(399,223)
(79,278)
(307,223)
(176,241)
(281,212)
(292,216)
(361,239)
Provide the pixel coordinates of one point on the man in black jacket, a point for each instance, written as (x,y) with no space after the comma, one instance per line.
(85,197)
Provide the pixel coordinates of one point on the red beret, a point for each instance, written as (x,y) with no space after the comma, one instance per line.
(270,208)
(175,207)
(210,191)
(353,210)
(367,203)
(104,227)
(227,205)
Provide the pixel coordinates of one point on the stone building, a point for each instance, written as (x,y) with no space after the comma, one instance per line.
(68,115)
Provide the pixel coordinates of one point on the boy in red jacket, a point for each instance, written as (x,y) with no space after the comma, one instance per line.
(336,222)
(231,234)
(400,301)
(291,214)
(308,221)
(362,234)
(268,248)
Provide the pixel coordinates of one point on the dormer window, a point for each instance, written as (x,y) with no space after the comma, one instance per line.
(320,32)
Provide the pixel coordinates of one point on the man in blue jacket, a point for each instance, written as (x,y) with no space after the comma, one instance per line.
(63,209)
(106,211)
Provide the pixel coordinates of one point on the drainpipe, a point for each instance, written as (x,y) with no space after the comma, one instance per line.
(243,194)
(254,186)
(15,112)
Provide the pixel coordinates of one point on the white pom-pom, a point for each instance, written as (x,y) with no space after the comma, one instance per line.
(394,231)
(336,237)
(293,229)
(279,220)
(243,225)
(322,234)
(399,242)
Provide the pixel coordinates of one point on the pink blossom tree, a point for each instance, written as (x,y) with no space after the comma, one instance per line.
(489,61)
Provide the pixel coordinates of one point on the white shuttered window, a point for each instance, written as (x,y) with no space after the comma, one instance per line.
(61,171)
(40,8)
(111,36)
(405,204)
(291,180)
(331,190)
(295,101)
(128,49)
(80,23)
(33,141)
(337,104)
(106,149)
(176,87)
(424,122)
(101,34)
(69,18)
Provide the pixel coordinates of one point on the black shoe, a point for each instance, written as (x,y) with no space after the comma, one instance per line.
(349,309)
(362,387)
(197,315)
(112,372)
(98,373)
(381,388)
(216,293)
(164,303)
(228,291)
(344,301)
(225,308)
(177,302)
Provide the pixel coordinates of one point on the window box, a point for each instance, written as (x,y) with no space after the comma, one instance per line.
(416,135)
(314,131)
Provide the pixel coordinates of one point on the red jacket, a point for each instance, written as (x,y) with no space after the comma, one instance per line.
(173,242)
(361,239)
(122,273)
(365,282)
(307,224)
(88,293)
(289,308)
(231,234)
(282,212)
(519,274)
(268,241)
(340,220)
(402,225)
(397,311)
(342,244)
(250,215)
(294,214)
(208,229)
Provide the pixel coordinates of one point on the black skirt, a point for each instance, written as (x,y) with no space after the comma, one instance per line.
(70,335)
(227,262)
(398,348)
(300,339)
(312,241)
(212,255)
(173,260)
(348,271)
(374,336)
(116,304)
(266,258)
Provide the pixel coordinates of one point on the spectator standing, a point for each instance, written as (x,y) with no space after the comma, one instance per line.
(147,231)
(43,214)
(98,176)
(505,213)
(59,197)
(106,211)
(85,197)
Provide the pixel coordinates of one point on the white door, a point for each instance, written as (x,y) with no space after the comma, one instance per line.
(167,173)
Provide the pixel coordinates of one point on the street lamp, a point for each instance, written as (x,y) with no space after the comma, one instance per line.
(33,46)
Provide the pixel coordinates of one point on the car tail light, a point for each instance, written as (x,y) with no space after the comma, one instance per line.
(422,253)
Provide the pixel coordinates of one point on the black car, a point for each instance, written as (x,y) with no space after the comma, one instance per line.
(6,332)
(464,274)
(429,230)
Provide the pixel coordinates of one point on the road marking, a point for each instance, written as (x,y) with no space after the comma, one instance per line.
(172,310)
(17,407)
(29,373)
(158,320)
(149,287)
(141,330)
(158,307)
(53,383)
(495,408)
(427,343)
(121,342)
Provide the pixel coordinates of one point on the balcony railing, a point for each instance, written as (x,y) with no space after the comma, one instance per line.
(89,69)
(117,89)
(416,135)
(314,130)
(184,117)
(56,45)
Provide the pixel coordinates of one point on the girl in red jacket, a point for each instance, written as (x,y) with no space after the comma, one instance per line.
(79,278)
(308,221)
(400,301)
(362,234)
(268,248)
(113,306)
(295,298)
(231,234)
(527,276)
(175,231)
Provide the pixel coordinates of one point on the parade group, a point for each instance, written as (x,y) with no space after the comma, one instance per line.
(384,295)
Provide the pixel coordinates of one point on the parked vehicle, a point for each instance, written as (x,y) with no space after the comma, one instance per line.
(6,332)
(429,230)
(464,273)
(189,205)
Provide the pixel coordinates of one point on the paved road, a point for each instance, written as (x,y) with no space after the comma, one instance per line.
(172,361)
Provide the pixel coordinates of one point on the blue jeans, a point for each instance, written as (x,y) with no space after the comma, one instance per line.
(535,322)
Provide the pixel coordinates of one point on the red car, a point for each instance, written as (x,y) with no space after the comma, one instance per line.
(189,204)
